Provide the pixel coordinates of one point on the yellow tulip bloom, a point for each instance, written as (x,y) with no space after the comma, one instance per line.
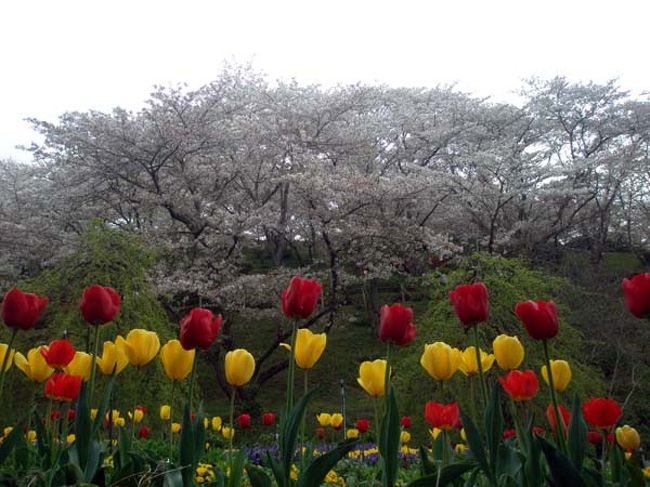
(70,438)
(34,366)
(206,423)
(561,374)
(175,427)
(336,420)
(113,357)
(227,432)
(440,360)
(137,416)
(3,352)
(165,412)
(372,377)
(324,419)
(352,433)
(81,365)
(468,365)
(508,351)
(176,361)
(120,422)
(31,436)
(216,423)
(435,432)
(627,437)
(240,366)
(309,348)
(405,437)
(460,448)
(141,346)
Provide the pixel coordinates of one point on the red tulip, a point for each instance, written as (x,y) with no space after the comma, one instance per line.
(511,433)
(59,353)
(594,437)
(99,304)
(538,430)
(601,412)
(609,437)
(62,387)
(72,413)
(55,415)
(244,421)
(520,385)
(470,303)
(396,324)
(321,433)
(268,419)
(550,416)
(636,292)
(22,310)
(300,298)
(363,425)
(143,432)
(441,416)
(539,318)
(405,422)
(199,328)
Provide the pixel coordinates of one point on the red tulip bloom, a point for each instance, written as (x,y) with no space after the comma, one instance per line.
(520,385)
(396,324)
(511,433)
(55,415)
(550,416)
(72,413)
(62,387)
(539,318)
(441,416)
(363,425)
(601,412)
(199,328)
(300,298)
(405,422)
(244,421)
(22,310)
(268,419)
(538,430)
(609,437)
(143,432)
(636,292)
(594,437)
(321,433)
(470,303)
(59,353)
(99,304)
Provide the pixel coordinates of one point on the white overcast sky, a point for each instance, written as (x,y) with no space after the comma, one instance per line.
(58,55)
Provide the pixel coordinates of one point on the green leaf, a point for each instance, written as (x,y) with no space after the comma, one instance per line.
(317,471)
(14,438)
(82,427)
(493,426)
(448,474)
(616,463)
(476,445)
(389,440)
(276,468)
(198,430)
(577,443)
(103,405)
(258,477)
(289,428)
(186,451)
(426,464)
(92,462)
(635,473)
(239,459)
(562,470)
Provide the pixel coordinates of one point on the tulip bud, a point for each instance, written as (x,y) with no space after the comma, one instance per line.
(352,434)
(199,328)
(636,291)
(165,412)
(244,421)
(628,438)
(372,376)
(363,425)
(405,437)
(227,432)
(440,360)
(561,374)
(470,303)
(22,310)
(175,427)
(99,305)
(240,366)
(144,432)
(539,318)
(300,298)
(405,422)
(268,419)
(216,423)
(508,351)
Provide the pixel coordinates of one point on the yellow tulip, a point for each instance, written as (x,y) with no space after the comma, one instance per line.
(324,419)
(7,430)
(93,414)
(627,437)
(561,374)
(216,423)
(460,448)
(175,427)
(240,366)
(165,412)
(435,432)
(336,420)
(137,416)
(352,433)
(508,351)
(3,352)
(468,365)
(113,357)
(31,436)
(440,360)
(405,437)
(463,436)
(176,361)
(70,438)
(309,347)
(206,423)
(646,472)
(141,346)
(34,366)
(120,422)
(227,432)
(372,377)
(80,365)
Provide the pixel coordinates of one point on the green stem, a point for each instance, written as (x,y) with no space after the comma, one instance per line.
(232,434)
(6,359)
(292,366)
(445,448)
(603,453)
(472,399)
(303,422)
(558,417)
(479,365)
(377,425)
(192,380)
(387,378)
(171,421)
(93,366)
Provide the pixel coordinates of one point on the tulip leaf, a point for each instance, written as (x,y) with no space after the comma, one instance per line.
(577,443)
(426,464)
(186,450)
(198,430)
(389,440)
(476,445)
(82,427)
(277,469)
(239,459)
(103,405)
(12,439)
(289,428)
(448,474)
(92,462)
(562,470)
(494,426)
(258,477)
(315,473)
